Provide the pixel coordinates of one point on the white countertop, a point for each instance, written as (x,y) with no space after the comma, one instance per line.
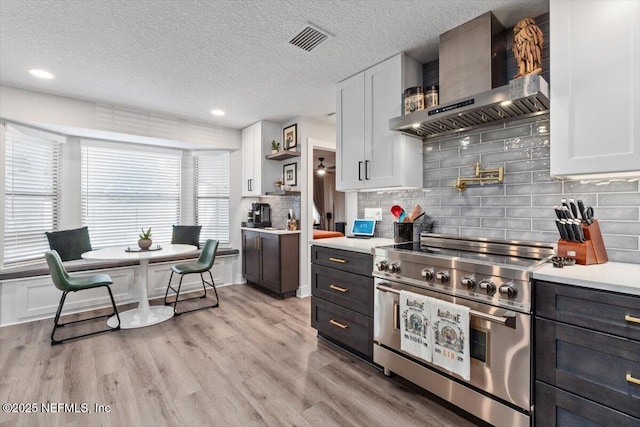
(271,230)
(610,276)
(355,245)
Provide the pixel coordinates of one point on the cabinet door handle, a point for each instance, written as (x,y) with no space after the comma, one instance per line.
(366,170)
(632,380)
(339,260)
(339,289)
(632,319)
(341,325)
(359,171)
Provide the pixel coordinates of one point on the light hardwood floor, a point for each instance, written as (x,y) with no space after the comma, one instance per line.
(254,361)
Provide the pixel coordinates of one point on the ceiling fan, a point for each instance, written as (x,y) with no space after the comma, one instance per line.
(322,169)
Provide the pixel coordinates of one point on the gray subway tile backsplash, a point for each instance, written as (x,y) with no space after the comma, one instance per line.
(522,207)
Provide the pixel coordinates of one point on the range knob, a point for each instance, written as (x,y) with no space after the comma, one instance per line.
(443,277)
(394,267)
(382,266)
(487,286)
(508,290)
(468,282)
(428,273)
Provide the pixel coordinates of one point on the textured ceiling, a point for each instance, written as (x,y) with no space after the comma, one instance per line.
(185,58)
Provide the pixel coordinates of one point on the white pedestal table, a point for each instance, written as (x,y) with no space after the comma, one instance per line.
(144,314)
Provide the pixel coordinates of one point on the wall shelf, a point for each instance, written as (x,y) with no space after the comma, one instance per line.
(283,193)
(283,155)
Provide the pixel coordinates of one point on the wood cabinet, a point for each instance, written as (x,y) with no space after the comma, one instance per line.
(595,89)
(342,298)
(270,261)
(369,155)
(587,348)
(258,174)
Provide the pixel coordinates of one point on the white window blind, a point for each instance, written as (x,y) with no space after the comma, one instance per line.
(126,189)
(31,195)
(212,195)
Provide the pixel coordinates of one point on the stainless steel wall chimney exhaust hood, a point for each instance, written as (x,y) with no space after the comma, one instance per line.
(473,84)
(524,97)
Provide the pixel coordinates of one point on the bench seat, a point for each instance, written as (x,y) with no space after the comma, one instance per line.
(41,269)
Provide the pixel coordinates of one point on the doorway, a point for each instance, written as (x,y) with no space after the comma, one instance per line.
(328,204)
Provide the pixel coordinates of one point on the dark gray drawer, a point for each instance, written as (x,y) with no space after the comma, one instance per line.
(590,364)
(353,262)
(555,407)
(349,290)
(343,325)
(597,310)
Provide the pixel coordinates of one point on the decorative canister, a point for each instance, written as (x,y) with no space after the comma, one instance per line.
(413,99)
(431,96)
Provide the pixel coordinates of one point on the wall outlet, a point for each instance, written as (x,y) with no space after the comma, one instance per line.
(373,213)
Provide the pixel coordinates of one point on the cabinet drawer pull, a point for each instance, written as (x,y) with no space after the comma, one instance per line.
(342,326)
(341,261)
(632,319)
(339,289)
(632,380)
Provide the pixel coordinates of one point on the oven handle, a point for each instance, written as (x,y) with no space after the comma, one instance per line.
(508,318)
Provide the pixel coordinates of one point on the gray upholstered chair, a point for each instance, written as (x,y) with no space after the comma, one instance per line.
(66,283)
(186,235)
(201,266)
(70,244)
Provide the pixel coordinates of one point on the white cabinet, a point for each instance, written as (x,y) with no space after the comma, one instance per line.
(369,155)
(595,88)
(258,174)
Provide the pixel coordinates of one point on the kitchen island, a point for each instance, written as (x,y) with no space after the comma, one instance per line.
(342,291)
(353,244)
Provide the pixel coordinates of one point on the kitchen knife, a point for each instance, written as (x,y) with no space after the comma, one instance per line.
(567,212)
(577,230)
(561,230)
(558,212)
(568,230)
(581,209)
(574,208)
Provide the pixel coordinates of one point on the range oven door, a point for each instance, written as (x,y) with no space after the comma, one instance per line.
(499,342)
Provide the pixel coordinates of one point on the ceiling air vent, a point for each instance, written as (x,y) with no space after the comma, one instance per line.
(308,38)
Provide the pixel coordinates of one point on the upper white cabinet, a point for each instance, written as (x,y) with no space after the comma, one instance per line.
(369,155)
(258,174)
(595,88)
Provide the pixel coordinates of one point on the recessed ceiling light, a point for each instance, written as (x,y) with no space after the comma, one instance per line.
(41,73)
(217,112)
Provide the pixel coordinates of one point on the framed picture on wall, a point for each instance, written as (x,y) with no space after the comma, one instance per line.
(290,137)
(290,174)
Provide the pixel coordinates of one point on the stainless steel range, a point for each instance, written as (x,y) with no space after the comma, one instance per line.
(493,279)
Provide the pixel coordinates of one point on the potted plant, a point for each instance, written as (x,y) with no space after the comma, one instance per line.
(145,239)
(275,146)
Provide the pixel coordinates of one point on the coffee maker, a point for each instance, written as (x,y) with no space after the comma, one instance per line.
(259,216)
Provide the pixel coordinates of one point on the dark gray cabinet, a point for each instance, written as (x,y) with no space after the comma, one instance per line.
(342,298)
(271,261)
(587,351)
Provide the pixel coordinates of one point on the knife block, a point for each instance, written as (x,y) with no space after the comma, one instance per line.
(591,251)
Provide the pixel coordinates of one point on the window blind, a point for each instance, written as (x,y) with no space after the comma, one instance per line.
(212,195)
(127,189)
(31,195)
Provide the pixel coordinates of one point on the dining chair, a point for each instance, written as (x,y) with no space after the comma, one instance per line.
(186,235)
(70,244)
(66,283)
(200,266)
